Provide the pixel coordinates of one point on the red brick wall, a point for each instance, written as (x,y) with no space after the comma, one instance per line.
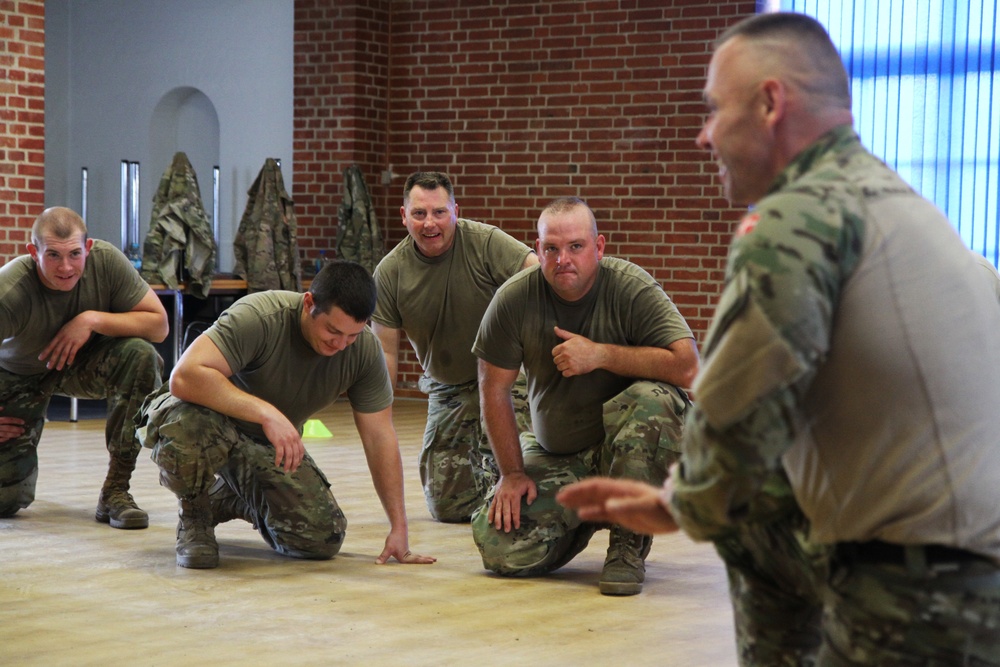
(520,102)
(22,121)
(341,114)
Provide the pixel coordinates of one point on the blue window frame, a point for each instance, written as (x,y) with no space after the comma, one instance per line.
(926,97)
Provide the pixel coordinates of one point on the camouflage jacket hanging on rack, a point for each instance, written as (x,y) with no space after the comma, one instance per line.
(358,235)
(267,253)
(179,226)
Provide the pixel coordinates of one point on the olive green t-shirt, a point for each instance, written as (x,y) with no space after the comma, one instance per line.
(261,338)
(31,313)
(439,301)
(626,306)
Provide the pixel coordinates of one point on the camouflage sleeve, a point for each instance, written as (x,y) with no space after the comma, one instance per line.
(770,332)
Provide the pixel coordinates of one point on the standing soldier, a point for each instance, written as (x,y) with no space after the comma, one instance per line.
(854,349)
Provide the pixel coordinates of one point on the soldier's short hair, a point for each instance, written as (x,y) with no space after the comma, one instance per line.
(565,204)
(799,48)
(59,221)
(346,285)
(428,180)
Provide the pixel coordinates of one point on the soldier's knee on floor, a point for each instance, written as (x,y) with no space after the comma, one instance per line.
(8,508)
(316,550)
(11,502)
(520,560)
(18,495)
(448,512)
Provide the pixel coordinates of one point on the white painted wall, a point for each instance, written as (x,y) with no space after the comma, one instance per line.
(138,81)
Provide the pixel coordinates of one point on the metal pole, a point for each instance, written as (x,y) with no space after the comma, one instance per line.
(133,168)
(215,212)
(74,402)
(125,208)
(83,194)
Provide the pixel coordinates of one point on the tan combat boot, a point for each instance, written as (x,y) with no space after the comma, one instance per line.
(116,505)
(196,545)
(625,567)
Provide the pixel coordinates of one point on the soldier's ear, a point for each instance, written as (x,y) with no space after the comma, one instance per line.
(774,99)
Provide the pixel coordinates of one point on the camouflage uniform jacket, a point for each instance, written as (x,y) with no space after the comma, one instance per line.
(179,225)
(267,253)
(854,344)
(359,238)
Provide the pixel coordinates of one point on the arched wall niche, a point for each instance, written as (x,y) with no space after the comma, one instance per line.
(185,120)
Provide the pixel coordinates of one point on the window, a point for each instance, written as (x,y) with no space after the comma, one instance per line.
(926,97)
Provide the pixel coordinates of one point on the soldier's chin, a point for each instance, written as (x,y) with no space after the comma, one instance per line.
(65,284)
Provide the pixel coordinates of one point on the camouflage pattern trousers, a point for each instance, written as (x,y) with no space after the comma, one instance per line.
(120,370)
(457,468)
(642,436)
(295,513)
(776,583)
(911,615)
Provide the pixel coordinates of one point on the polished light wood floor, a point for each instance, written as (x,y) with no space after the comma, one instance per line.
(75,592)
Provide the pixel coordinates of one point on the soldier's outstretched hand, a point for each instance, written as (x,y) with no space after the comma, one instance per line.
(396,547)
(635,505)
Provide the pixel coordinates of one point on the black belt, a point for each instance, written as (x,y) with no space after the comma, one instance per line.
(876,551)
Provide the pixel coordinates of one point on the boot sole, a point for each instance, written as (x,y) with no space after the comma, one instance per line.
(619,588)
(198,562)
(125,524)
